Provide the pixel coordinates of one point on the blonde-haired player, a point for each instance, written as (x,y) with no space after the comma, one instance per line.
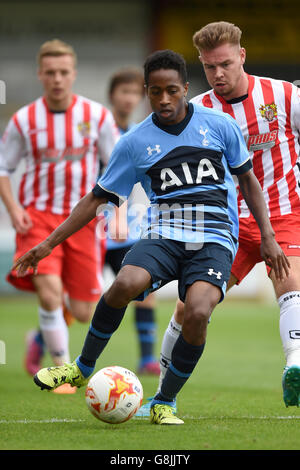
(60,136)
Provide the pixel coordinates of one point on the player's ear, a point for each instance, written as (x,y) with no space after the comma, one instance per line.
(186,88)
(243,55)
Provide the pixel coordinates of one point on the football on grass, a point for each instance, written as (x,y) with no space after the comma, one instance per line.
(114,394)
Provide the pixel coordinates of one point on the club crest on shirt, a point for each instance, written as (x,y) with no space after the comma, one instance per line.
(203,132)
(84,128)
(268,111)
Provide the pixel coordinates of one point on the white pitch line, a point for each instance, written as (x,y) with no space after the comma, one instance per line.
(41,421)
(223,418)
(70,420)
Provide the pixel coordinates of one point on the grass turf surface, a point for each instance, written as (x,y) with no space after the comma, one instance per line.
(233,401)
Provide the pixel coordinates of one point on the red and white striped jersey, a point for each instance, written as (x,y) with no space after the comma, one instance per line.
(270,122)
(61,151)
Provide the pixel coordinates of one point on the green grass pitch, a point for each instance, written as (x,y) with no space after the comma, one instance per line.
(233,401)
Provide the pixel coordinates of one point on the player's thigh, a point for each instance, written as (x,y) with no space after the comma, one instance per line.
(49,289)
(201,298)
(287,232)
(158,257)
(82,265)
(43,223)
(212,264)
(129,283)
(179,309)
(247,256)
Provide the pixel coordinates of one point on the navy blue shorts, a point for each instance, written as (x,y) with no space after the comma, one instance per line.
(168,260)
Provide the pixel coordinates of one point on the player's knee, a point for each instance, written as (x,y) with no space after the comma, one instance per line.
(122,291)
(49,291)
(197,314)
(49,300)
(196,319)
(129,283)
(83,312)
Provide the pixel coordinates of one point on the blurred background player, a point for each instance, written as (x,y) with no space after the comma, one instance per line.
(268,113)
(60,137)
(126,92)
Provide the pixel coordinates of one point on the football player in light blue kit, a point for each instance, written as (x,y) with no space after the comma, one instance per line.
(183,155)
(126,91)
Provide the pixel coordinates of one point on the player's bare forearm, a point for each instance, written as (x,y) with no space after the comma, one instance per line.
(84,211)
(81,215)
(254,198)
(6,193)
(20,219)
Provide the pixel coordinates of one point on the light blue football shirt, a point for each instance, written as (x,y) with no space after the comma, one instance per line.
(186,171)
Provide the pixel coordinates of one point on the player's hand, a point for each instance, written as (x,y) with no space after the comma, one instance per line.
(275,258)
(31,259)
(20,220)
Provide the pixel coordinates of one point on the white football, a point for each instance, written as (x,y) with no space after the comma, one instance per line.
(114,394)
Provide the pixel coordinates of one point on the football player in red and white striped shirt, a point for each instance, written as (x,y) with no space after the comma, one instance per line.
(60,137)
(268,112)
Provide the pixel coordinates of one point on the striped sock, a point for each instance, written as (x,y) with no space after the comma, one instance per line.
(55,334)
(185,357)
(105,321)
(39,338)
(146,330)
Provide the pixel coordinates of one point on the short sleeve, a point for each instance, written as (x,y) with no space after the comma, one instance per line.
(120,175)
(11,148)
(108,135)
(235,149)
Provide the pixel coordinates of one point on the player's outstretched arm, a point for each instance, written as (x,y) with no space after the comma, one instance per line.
(271,252)
(20,218)
(84,211)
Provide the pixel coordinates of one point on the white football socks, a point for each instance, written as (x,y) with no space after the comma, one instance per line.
(55,334)
(289,325)
(170,337)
